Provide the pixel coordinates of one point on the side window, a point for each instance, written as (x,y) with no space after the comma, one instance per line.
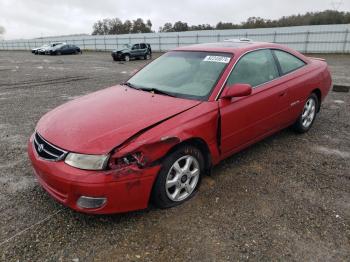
(288,62)
(143,46)
(136,46)
(254,68)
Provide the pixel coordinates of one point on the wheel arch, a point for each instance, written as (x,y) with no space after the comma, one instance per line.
(201,145)
(318,93)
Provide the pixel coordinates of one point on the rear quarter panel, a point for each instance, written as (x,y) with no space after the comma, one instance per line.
(302,82)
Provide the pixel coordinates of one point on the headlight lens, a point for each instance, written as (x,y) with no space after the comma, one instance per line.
(88,162)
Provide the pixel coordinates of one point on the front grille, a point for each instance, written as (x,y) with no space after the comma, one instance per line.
(46,150)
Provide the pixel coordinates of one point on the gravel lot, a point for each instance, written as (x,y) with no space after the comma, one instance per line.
(285,198)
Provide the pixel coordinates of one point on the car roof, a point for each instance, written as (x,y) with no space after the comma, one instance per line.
(229,46)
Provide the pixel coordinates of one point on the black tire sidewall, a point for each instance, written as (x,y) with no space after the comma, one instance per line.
(159,195)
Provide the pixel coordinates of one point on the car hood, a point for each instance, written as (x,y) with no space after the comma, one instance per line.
(45,48)
(121,50)
(98,122)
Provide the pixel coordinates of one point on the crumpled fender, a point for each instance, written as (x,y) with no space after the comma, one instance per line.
(200,122)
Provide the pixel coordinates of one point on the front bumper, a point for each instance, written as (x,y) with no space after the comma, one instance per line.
(117,56)
(126,191)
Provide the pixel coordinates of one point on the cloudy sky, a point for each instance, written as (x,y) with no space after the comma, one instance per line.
(35,18)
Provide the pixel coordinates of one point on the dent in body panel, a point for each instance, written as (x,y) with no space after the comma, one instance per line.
(158,141)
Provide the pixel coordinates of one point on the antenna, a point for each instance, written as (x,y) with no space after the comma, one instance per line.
(336,5)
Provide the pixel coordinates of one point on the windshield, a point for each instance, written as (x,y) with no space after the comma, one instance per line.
(183,73)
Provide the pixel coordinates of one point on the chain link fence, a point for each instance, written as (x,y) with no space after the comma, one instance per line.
(306,39)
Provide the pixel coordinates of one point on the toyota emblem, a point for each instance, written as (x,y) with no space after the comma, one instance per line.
(40,148)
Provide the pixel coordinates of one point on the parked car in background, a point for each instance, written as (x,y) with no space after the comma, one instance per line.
(42,50)
(127,52)
(157,134)
(35,50)
(64,49)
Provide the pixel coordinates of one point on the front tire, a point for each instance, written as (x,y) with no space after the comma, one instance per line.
(147,56)
(179,177)
(126,58)
(308,115)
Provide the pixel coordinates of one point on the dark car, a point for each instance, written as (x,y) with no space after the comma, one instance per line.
(64,49)
(127,52)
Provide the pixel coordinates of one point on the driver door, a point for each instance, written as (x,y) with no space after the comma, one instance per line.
(64,49)
(135,50)
(244,120)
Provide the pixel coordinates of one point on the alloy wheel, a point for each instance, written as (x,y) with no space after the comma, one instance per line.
(182,178)
(309,113)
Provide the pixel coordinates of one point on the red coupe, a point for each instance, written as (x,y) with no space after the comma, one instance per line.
(153,137)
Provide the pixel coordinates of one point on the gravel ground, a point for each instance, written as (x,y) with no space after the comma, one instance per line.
(285,198)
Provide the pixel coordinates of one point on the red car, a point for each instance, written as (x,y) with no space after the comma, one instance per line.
(155,136)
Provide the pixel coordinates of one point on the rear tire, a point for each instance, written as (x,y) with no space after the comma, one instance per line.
(147,56)
(179,178)
(308,115)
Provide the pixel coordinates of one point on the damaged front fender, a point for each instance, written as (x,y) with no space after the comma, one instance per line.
(142,155)
(148,148)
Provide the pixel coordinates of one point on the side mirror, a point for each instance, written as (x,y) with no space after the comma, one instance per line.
(237,90)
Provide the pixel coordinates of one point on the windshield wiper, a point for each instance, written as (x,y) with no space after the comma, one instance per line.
(157,91)
(153,90)
(130,85)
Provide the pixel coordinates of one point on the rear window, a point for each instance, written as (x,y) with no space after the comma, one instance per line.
(288,62)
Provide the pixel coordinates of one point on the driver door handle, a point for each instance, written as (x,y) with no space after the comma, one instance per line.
(282,94)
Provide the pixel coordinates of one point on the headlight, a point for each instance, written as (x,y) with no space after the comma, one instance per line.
(127,160)
(88,162)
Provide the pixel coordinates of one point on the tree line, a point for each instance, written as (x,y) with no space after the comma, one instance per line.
(112,26)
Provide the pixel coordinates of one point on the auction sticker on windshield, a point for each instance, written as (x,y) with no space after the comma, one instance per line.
(217,59)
